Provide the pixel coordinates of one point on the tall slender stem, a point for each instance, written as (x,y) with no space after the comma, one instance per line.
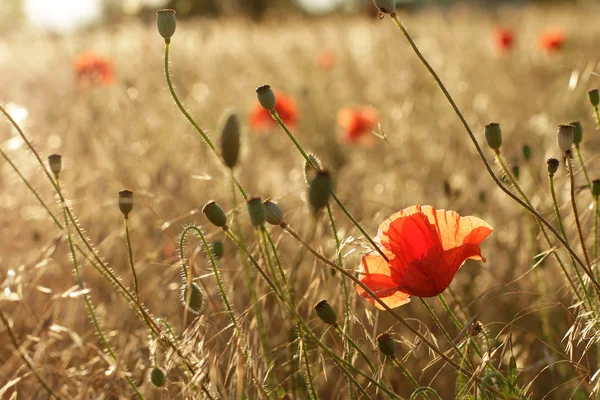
(569,159)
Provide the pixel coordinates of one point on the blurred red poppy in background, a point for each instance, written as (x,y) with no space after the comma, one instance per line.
(326,60)
(260,119)
(425,248)
(358,123)
(504,40)
(552,40)
(92,68)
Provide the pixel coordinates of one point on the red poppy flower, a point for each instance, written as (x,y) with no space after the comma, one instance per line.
(425,248)
(552,40)
(358,123)
(260,119)
(90,67)
(326,60)
(504,40)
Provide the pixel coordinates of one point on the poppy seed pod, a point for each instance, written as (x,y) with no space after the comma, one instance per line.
(320,190)
(157,377)
(476,328)
(126,202)
(166,23)
(565,134)
(526,150)
(55,164)
(578,133)
(230,139)
(274,213)
(516,171)
(493,136)
(386,344)
(215,214)
(596,187)
(257,211)
(594,97)
(553,164)
(326,312)
(217,249)
(266,97)
(193,300)
(385,6)
(309,170)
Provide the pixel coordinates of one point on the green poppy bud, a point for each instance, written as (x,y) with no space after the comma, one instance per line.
(493,136)
(386,344)
(565,134)
(526,150)
(55,163)
(192,300)
(594,97)
(596,187)
(578,134)
(326,312)
(126,202)
(217,249)
(266,97)
(274,213)
(257,211)
(320,190)
(166,23)
(230,139)
(157,377)
(516,171)
(385,6)
(215,214)
(553,164)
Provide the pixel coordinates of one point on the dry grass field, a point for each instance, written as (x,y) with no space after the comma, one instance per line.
(129,134)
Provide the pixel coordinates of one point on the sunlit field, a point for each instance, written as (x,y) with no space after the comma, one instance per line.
(351,91)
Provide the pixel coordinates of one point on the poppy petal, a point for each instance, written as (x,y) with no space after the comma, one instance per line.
(385,288)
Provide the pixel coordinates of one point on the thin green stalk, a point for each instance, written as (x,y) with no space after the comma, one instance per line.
(345,335)
(587,177)
(597,115)
(26,358)
(596,219)
(405,371)
(205,137)
(309,378)
(88,302)
(131,264)
(488,168)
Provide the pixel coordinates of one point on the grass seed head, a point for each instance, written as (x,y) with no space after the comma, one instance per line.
(257,211)
(215,214)
(126,202)
(566,135)
(166,22)
(230,139)
(493,135)
(594,97)
(194,299)
(274,213)
(55,164)
(386,344)
(326,312)
(266,97)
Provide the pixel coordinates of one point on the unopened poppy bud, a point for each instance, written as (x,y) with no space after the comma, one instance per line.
(596,187)
(257,211)
(385,6)
(274,213)
(326,312)
(217,249)
(55,163)
(594,97)
(193,299)
(386,344)
(126,202)
(493,136)
(476,328)
(266,97)
(230,139)
(166,23)
(320,190)
(516,171)
(215,214)
(578,133)
(566,134)
(157,377)
(309,170)
(526,150)
(553,164)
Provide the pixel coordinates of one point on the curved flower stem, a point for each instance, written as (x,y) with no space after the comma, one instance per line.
(86,297)
(517,187)
(585,172)
(597,115)
(200,131)
(344,335)
(26,358)
(303,324)
(376,298)
(236,327)
(333,195)
(596,219)
(131,264)
(489,169)
(406,373)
